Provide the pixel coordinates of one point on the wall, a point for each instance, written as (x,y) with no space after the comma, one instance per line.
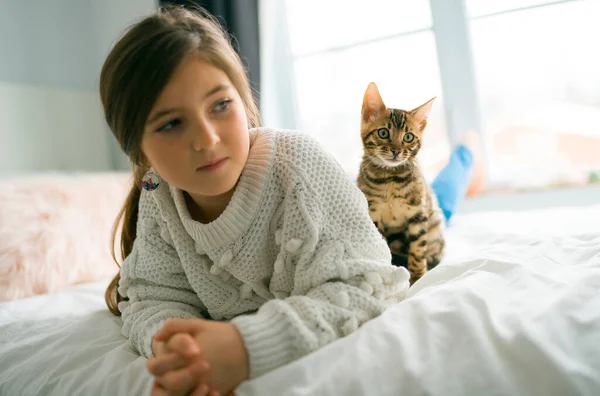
(51,54)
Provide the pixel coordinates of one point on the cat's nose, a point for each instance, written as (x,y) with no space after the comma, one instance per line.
(395,153)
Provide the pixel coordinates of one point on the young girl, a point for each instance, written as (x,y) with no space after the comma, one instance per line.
(253,239)
(259,230)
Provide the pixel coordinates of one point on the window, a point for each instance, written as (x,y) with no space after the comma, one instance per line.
(331,93)
(339,47)
(539,89)
(521,72)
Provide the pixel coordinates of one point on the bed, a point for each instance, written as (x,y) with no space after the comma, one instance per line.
(514,309)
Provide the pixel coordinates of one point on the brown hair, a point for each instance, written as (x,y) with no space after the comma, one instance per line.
(133,76)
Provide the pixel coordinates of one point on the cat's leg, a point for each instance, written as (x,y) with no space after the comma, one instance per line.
(396,240)
(417,245)
(435,240)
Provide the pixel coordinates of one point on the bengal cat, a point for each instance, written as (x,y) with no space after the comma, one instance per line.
(401,203)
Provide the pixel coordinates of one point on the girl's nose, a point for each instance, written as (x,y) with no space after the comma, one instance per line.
(204,135)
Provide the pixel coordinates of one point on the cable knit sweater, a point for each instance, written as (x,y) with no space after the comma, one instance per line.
(294,261)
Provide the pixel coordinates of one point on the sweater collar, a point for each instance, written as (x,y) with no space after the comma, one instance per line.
(243,207)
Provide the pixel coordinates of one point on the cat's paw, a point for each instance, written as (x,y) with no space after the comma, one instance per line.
(417,269)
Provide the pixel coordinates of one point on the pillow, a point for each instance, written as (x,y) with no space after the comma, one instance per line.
(55,230)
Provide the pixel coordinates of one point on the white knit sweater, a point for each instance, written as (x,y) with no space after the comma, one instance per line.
(294,261)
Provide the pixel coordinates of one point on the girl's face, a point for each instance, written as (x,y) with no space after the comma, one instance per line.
(196,136)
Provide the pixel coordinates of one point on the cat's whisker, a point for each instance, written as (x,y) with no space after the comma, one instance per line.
(380,164)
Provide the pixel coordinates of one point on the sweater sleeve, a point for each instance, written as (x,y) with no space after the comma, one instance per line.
(153,280)
(342,272)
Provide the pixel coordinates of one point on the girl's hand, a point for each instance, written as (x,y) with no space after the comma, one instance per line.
(178,366)
(221,345)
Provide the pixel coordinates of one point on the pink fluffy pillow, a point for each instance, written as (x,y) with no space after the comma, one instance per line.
(55,231)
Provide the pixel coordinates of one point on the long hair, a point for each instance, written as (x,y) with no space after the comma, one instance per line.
(134,74)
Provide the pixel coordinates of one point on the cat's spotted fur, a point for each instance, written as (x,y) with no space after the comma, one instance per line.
(401,203)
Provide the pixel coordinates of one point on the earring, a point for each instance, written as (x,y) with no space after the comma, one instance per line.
(150,182)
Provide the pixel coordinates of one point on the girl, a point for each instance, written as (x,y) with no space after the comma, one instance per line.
(253,239)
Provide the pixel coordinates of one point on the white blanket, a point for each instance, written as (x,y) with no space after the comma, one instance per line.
(513,310)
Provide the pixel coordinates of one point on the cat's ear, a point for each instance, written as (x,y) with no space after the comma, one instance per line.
(373,105)
(421,113)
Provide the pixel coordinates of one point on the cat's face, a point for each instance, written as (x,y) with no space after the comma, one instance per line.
(391,137)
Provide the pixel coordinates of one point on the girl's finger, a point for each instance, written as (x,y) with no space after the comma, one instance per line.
(158,347)
(186,379)
(176,325)
(170,361)
(157,390)
(183,344)
(201,390)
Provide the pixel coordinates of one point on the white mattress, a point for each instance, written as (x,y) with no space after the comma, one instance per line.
(513,310)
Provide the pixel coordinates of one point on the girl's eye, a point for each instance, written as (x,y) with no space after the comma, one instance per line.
(169,125)
(222,105)
(383,133)
(409,137)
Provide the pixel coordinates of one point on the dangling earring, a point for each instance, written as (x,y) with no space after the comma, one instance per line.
(150,182)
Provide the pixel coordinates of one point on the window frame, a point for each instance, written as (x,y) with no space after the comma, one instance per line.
(451,30)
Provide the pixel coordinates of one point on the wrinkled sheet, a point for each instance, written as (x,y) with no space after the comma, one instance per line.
(514,309)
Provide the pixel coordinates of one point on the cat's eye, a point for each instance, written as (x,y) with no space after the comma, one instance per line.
(383,133)
(408,137)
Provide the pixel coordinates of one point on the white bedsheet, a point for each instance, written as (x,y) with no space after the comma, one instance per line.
(513,310)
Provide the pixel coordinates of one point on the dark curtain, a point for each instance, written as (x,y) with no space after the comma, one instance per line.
(240,19)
